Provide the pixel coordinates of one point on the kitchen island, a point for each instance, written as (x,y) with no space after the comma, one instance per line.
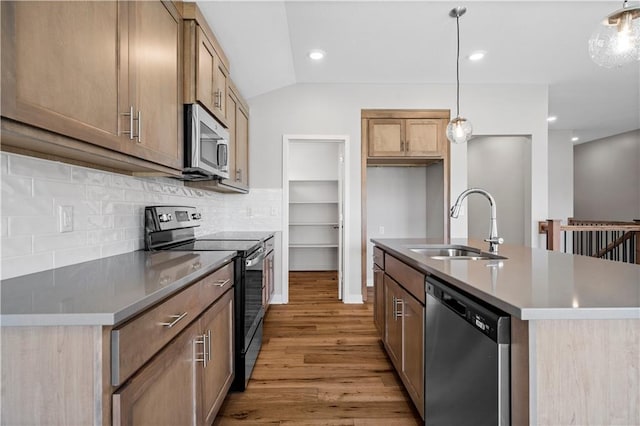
(575,327)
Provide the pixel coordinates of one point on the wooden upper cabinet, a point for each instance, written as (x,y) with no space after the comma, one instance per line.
(242,147)
(423,137)
(104,73)
(155,89)
(60,68)
(206,67)
(386,137)
(232,106)
(399,137)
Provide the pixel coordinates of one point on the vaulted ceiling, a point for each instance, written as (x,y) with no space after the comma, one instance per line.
(414,42)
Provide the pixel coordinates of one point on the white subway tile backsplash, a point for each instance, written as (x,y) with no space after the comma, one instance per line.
(104,193)
(103,236)
(36,167)
(44,188)
(15,266)
(18,246)
(76,255)
(56,242)
(108,212)
(118,247)
(88,176)
(29,225)
(26,206)
(16,185)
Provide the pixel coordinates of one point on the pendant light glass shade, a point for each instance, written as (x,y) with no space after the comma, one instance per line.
(616,41)
(459,130)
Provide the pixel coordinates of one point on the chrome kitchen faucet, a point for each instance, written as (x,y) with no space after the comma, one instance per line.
(493,239)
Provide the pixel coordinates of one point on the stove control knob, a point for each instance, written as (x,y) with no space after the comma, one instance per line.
(196,216)
(165,217)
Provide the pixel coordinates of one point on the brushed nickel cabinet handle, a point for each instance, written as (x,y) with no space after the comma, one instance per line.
(399,313)
(208,345)
(130,115)
(395,307)
(203,341)
(139,126)
(221,283)
(175,321)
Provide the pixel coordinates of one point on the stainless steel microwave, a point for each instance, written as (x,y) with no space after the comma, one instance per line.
(206,145)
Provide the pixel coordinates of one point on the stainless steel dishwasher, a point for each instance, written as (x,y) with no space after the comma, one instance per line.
(467,380)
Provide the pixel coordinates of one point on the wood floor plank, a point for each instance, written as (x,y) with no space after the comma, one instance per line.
(321,363)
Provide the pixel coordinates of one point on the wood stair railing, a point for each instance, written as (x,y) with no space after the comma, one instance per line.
(613,240)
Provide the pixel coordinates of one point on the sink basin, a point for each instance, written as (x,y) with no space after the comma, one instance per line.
(453,252)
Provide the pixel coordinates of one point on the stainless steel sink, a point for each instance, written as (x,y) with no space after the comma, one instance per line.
(453,252)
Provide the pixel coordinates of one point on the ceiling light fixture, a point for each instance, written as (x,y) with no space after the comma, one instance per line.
(459,130)
(575,139)
(616,41)
(552,118)
(316,54)
(476,56)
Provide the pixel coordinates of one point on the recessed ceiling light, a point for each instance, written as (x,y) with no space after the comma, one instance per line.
(476,56)
(316,54)
(575,139)
(552,118)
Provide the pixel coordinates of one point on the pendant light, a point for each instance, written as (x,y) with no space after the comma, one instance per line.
(459,129)
(616,41)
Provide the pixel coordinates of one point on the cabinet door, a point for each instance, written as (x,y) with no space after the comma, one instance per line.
(386,137)
(393,321)
(155,89)
(424,138)
(220,89)
(242,147)
(413,349)
(232,105)
(205,69)
(163,391)
(216,377)
(378,299)
(60,68)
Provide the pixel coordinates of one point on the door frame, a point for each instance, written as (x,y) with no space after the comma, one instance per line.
(346,208)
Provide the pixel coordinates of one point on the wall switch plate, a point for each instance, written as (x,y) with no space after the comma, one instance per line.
(381,230)
(274,211)
(249,212)
(65,218)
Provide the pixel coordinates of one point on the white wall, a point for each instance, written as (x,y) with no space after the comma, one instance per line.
(335,109)
(498,164)
(108,212)
(560,175)
(607,178)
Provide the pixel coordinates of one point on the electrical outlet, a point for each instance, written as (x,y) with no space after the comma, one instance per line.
(65,218)
(274,211)
(249,212)
(381,230)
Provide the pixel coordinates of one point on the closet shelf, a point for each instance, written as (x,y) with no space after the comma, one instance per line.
(313,246)
(313,223)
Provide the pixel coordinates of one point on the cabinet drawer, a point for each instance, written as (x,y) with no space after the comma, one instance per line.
(135,342)
(378,257)
(409,278)
(216,284)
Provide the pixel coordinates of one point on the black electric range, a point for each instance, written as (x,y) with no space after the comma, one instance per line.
(172,228)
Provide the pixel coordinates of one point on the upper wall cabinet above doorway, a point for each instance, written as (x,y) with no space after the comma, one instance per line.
(396,137)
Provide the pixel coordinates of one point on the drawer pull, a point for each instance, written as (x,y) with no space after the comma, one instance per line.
(175,321)
(205,357)
(221,283)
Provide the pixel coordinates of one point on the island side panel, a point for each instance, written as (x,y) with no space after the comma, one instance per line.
(519,372)
(51,375)
(587,372)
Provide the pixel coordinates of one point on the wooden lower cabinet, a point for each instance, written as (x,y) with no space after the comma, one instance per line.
(378,298)
(162,392)
(404,338)
(186,383)
(217,375)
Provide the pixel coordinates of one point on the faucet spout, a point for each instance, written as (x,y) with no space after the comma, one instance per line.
(493,239)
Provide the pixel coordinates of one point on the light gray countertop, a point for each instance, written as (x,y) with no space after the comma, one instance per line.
(106,291)
(534,284)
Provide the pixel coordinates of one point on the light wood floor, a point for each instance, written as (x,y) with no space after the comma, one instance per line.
(321,363)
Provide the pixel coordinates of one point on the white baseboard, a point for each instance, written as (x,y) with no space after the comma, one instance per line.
(277,300)
(352,298)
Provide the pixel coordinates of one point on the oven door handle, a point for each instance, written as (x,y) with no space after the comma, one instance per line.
(255,259)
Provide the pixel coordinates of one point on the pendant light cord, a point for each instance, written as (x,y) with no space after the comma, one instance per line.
(458,67)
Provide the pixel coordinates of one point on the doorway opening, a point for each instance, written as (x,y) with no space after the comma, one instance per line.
(315,207)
